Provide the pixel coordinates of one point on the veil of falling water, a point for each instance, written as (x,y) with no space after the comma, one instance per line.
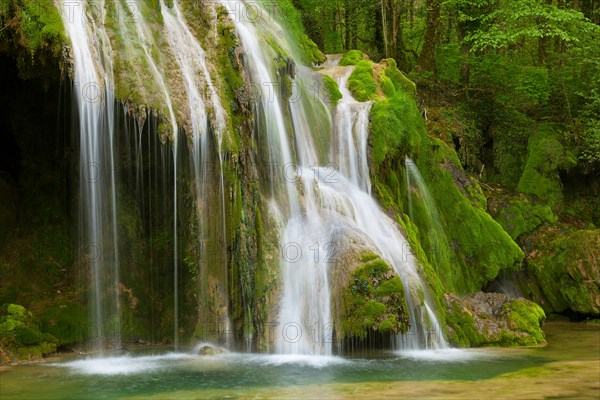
(321,203)
(94,81)
(192,63)
(433,229)
(146,40)
(98,214)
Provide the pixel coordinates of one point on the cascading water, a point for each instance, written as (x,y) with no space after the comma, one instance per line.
(435,238)
(146,41)
(95,109)
(320,204)
(305,302)
(351,133)
(87,26)
(317,206)
(351,136)
(192,63)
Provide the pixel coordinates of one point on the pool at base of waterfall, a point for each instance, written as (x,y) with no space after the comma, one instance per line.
(569,366)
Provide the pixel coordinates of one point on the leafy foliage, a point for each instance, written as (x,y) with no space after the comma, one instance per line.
(515,21)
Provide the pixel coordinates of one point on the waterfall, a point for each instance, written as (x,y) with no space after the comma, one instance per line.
(349,149)
(423,211)
(146,40)
(320,202)
(351,133)
(91,30)
(95,109)
(192,62)
(320,192)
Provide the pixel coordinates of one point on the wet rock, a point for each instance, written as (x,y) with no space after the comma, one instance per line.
(367,294)
(210,350)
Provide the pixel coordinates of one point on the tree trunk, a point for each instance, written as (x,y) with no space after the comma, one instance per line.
(347,24)
(432,36)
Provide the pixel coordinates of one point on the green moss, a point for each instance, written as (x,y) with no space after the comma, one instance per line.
(373,301)
(20,333)
(521,216)
(362,82)
(481,248)
(40,24)
(462,330)
(540,176)
(563,269)
(510,155)
(66,322)
(526,316)
(25,336)
(368,256)
(17,312)
(396,128)
(477,247)
(333,92)
(292,20)
(397,78)
(389,90)
(390,287)
(352,57)
(516,323)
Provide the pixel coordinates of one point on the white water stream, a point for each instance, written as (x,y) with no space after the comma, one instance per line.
(318,202)
(322,203)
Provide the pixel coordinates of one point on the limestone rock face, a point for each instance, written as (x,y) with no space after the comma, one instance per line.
(493,319)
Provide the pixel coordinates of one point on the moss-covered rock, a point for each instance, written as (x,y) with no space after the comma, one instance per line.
(20,334)
(37,23)
(396,128)
(546,156)
(480,247)
(518,214)
(485,319)
(362,82)
(373,300)
(292,19)
(352,57)
(475,248)
(510,155)
(562,269)
(333,91)
(396,78)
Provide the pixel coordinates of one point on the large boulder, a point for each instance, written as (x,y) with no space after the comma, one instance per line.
(493,319)
(367,294)
(562,269)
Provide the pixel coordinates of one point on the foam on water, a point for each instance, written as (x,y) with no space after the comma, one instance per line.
(131,365)
(305,360)
(122,365)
